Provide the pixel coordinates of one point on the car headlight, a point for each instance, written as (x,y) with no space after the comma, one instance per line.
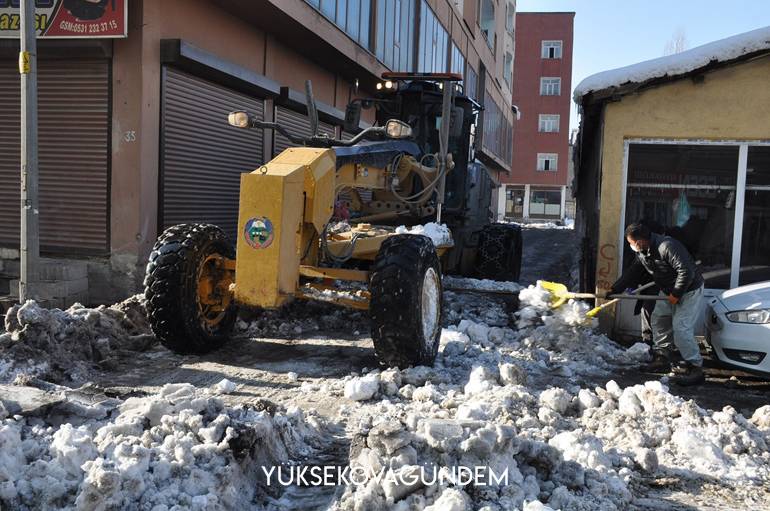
(757,316)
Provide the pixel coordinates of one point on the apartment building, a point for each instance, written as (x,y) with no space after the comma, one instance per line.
(536,188)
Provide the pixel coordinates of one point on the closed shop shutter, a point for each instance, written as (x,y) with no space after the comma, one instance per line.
(73,135)
(297,124)
(202,156)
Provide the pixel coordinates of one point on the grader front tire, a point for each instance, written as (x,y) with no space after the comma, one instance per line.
(406,301)
(185,260)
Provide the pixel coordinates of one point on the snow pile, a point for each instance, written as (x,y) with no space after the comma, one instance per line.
(299,318)
(547,225)
(510,401)
(680,63)
(460,283)
(182,447)
(65,346)
(438,233)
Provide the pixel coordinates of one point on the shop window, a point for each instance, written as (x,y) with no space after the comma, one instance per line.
(550,86)
(547,161)
(544,203)
(551,50)
(755,239)
(514,202)
(687,192)
(548,123)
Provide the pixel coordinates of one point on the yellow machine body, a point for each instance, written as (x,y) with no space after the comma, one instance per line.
(283,206)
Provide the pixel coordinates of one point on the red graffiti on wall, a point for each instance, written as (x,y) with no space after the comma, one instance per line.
(606,258)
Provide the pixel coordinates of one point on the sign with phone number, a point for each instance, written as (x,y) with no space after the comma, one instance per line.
(61,19)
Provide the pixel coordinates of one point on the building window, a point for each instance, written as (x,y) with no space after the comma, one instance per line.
(510,17)
(434,43)
(498,130)
(395,33)
(545,203)
(352,16)
(487,22)
(458,61)
(551,50)
(550,86)
(471,82)
(547,161)
(508,69)
(548,123)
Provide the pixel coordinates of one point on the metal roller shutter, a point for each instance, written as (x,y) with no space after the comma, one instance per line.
(202,156)
(73,154)
(297,124)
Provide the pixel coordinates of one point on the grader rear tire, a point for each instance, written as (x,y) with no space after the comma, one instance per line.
(499,253)
(177,315)
(406,301)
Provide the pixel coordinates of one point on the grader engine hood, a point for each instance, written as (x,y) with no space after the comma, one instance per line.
(276,201)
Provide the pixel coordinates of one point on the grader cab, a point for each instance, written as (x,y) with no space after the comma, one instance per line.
(290,244)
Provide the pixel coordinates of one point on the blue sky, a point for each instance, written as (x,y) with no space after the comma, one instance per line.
(610,34)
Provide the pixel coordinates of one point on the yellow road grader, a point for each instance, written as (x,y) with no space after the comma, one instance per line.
(414,165)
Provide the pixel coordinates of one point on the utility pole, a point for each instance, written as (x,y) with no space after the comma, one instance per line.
(29,236)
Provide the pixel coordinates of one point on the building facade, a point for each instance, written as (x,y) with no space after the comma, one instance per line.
(542,72)
(134,135)
(653,148)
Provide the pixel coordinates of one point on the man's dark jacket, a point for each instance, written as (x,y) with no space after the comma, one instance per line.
(670,264)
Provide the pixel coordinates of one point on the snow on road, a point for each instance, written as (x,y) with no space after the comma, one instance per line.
(516,393)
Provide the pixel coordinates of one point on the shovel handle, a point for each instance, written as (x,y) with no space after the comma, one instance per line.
(638,297)
(581,295)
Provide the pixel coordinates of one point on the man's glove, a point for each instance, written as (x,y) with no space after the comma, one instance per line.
(673,300)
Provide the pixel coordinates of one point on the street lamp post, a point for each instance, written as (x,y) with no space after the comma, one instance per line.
(29,239)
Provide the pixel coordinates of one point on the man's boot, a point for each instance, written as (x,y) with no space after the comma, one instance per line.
(661,363)
(689,374)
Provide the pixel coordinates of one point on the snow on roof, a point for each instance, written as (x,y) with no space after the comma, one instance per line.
(723,50)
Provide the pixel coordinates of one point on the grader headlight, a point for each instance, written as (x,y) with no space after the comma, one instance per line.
(397,129)
(238,119)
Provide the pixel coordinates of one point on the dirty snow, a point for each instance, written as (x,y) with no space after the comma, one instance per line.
(510,400)
(462,283)
(438,233)
(508,391)
(680,63)
(65,346)
(181,447)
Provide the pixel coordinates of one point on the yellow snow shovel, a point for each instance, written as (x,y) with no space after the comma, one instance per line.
(560,294)
(596,310)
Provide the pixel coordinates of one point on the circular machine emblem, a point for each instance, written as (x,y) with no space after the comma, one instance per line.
(259,232)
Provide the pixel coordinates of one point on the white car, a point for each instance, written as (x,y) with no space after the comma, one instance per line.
(738,327)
